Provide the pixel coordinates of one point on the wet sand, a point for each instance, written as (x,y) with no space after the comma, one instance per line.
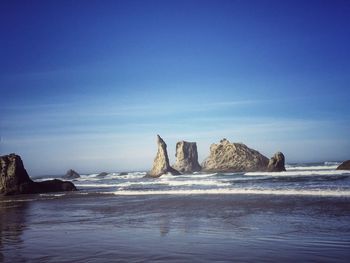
(172,228)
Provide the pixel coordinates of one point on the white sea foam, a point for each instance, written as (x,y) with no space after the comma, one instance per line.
(51,194)
(126,176)
(114,175)
(176,183)
(194,176)
(332,163)
(225,191)
(315,168)
(298,173)
(94,185)
(197,182)
(17,200)
(89,175)
(86,178)
(43,179)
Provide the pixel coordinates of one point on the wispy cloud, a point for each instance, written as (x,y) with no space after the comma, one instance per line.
(111,108)
(71,114)
(198,128)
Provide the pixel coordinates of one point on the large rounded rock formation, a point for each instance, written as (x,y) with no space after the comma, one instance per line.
(276,163)
(14,179)
(234,157)
(161,162)
(186,157)
(344,166)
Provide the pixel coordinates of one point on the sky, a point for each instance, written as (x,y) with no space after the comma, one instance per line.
(89,84)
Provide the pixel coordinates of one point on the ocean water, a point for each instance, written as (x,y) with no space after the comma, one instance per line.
(301,215)
(318,179)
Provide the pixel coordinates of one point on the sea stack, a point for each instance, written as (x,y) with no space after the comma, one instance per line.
(14,179)
(276,163)
(12,174)
(161,162)
(234,157)
(344,166)
(186,157)
(71,174)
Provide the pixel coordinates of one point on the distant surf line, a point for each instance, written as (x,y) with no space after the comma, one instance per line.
(325,193)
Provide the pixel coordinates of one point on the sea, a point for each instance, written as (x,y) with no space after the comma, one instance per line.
(300,215)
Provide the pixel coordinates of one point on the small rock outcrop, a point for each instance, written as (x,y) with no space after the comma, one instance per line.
(71,174)
(161,162)
(276,163)
(103,174)
(234,157)
(14,179)
(344,166)
(186,157)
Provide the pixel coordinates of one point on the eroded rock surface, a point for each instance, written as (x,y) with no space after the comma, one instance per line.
(276,163)
(234,157)
(186,157)
(12,174)
(161,162)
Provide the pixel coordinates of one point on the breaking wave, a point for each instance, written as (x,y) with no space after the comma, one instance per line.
(237,191)
(317,179)
(299,172)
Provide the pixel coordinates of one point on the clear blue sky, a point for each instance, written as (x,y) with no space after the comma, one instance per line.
(88,84)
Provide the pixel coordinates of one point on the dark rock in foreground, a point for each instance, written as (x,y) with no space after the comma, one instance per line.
(46,187)
(234,157)
(276,163)
(344,166)
(14,179)
(12,174)
(186,157)
(161,162)
(71,174)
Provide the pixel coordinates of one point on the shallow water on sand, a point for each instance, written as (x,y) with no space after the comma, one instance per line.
(174,228)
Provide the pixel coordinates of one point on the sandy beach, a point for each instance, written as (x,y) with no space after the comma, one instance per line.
(172,228)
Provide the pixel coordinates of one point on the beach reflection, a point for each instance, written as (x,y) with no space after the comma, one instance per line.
(199,221)
(164,225)
(12,224)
